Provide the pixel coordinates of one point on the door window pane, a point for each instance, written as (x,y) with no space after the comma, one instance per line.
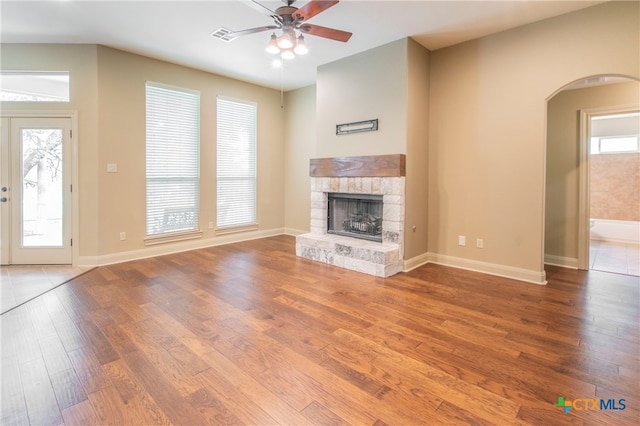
(41,187)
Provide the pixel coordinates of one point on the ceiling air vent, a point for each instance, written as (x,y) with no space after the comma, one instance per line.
(223,34)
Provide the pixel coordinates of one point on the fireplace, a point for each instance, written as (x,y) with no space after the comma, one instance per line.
(373,189)
(355,215)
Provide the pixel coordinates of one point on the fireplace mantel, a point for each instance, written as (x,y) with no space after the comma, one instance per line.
(376,175)
(365,166)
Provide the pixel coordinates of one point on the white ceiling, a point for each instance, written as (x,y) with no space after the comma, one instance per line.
(179,31)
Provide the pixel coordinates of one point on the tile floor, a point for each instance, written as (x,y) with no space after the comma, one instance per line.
(619,258)
(20,283)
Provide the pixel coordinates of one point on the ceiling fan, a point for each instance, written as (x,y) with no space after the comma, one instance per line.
(290,19)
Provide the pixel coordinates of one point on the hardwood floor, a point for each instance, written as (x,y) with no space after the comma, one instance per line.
(248,333)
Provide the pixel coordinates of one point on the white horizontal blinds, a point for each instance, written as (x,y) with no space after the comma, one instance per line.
(173,159)
(236,162)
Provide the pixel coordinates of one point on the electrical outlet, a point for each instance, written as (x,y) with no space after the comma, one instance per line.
(480,243)
(462,240)
(123,236)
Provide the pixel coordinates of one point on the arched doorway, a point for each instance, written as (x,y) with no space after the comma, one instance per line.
(568,167)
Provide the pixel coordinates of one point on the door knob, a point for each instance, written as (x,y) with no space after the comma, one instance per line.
(3,189)
(3,199)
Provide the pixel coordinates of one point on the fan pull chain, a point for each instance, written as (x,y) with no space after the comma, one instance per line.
(282,86)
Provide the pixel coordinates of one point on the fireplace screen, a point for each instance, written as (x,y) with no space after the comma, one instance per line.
(355,215)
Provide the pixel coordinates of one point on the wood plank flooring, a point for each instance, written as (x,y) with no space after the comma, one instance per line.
(248,333)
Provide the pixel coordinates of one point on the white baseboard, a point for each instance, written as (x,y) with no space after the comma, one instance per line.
(169,248)
(615,231)
(519,274)
(415,262)
(294,232)
(565,262)
(526,275)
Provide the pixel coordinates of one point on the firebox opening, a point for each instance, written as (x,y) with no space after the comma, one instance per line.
(355,215)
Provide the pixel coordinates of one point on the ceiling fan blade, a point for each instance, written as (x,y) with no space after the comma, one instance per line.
(258,6)
(235,34)
(255,5)
(325,32)
(312,8)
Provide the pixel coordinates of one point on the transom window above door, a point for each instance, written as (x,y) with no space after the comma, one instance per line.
(34,86)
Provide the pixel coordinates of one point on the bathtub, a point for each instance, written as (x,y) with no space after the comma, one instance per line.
(622,231)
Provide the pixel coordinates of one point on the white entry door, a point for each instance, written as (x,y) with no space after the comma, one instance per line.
(35,191)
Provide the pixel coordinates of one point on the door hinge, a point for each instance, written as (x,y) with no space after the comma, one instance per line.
(70,188)
(70,134)
(71,242)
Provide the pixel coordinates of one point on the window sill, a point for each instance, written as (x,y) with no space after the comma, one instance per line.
(235,229)
(171,238)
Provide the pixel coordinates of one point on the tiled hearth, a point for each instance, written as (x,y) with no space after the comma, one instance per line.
(381,259)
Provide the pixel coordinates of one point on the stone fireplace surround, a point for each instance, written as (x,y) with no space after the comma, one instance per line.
(378,175)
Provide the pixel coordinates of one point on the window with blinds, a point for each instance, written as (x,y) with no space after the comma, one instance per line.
(172,160)
(236,163)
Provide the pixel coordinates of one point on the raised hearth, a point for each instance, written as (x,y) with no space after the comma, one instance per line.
(382,175)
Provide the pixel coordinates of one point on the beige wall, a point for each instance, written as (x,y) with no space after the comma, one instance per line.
(122,79)
(82,63)
(488,128)
(366,86)
(417,125)
(562,177)
(108,90)
(369,85)
(300,140)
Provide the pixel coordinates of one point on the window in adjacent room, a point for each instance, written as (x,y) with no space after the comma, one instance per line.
(34,86)
(236,164)
(614,145)
(172,161)
(615,133)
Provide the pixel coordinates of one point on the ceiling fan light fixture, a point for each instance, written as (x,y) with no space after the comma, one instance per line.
(285,41)
(291,22)
(301,47)
(287,54)
(272,47)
